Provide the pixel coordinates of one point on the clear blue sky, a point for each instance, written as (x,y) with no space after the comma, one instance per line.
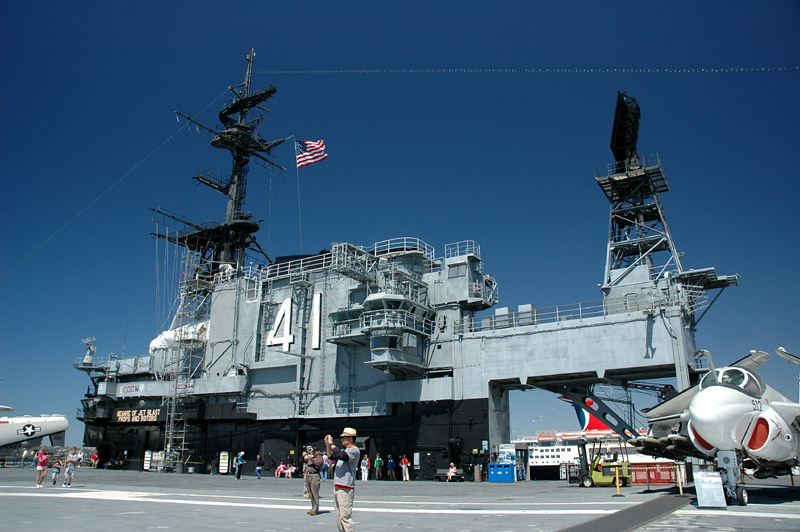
(503,158)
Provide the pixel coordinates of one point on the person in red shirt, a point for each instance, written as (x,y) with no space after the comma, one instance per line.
(41,466)
(404,464)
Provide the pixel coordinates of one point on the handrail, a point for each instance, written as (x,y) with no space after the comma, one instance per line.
(396,319)
(401,245)
(562,313)
(465,247)
(389,319)
(631,165)
(320,262)
(355,407)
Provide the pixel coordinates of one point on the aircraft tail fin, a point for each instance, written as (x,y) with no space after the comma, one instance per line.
(57,439)
(587,420)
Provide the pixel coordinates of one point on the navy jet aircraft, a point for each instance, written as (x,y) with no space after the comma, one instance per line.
(20,432)
(732,416)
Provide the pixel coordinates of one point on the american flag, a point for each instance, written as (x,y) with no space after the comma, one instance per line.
(309,152)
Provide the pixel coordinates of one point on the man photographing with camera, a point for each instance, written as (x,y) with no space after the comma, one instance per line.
(344,477)
(313,461)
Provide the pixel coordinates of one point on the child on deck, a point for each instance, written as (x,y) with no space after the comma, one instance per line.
(56,470)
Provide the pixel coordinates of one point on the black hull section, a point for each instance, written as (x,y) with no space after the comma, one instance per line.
(441,432)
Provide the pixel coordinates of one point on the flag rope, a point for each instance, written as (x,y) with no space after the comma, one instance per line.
(299,216)
(689,70)
(109,189)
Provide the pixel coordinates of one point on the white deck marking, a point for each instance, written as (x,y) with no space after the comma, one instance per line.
(137,496)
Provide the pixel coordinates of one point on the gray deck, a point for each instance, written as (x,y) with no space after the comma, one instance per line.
(134,501)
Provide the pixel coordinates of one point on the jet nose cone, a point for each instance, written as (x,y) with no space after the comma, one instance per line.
(715,411)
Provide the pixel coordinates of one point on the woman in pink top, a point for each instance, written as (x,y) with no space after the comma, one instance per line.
(280,470)
(41,466)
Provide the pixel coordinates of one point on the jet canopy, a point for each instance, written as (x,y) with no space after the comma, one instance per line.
(749,382)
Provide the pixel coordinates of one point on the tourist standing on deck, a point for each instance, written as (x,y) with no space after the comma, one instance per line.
(41,466)
(365,468)
(313,463)
(259,465)
(344,477)
(70,465)
(239,465)
(404,463)
(378,467)
(323,472)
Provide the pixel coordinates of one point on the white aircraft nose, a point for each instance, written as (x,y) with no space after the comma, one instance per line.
(715,411)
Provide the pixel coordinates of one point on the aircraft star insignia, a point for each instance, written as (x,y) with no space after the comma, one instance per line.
(29,430)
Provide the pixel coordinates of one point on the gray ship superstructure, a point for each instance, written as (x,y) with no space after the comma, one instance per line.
(393,338)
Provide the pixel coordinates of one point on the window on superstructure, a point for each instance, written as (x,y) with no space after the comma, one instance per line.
(457,270)
(385,342)
(358,296)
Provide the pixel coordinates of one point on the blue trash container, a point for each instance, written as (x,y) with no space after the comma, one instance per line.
(502,473)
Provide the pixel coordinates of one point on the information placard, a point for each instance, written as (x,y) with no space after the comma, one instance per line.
(710,493)
(224,464)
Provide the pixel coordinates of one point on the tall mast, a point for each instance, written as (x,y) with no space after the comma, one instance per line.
(226,243)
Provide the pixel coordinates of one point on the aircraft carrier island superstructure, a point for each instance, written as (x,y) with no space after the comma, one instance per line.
(395,339)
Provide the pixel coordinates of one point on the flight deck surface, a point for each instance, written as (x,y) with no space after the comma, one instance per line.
(134,501)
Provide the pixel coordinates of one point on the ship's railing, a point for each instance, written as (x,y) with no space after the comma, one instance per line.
(320,262)
(396,319)
(465,247)
(307,264)
(101,362)
(356,408)
(96,363)
(347,328)
(631,165)
(403,244)
(383,319)
(278,270)
(697,296)
(562,313)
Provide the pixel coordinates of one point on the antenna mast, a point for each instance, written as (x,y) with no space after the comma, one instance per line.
(226,243)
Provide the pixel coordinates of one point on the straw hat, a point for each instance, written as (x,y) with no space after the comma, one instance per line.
(348,431)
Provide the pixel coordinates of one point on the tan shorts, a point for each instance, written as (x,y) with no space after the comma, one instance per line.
(41,467)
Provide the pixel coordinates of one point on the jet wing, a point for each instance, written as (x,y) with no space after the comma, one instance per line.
(788,411)
(753,361)
(672,407)
(788,357)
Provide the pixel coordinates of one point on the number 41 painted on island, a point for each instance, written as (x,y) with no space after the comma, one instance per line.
(283,321)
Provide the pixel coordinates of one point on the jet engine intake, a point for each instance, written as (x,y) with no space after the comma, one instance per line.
(770,438)
(700,444)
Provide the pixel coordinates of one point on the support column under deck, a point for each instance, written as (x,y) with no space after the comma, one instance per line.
(499,415)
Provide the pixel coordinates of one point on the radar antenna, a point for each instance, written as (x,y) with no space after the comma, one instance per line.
(90,350)
(625,131)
